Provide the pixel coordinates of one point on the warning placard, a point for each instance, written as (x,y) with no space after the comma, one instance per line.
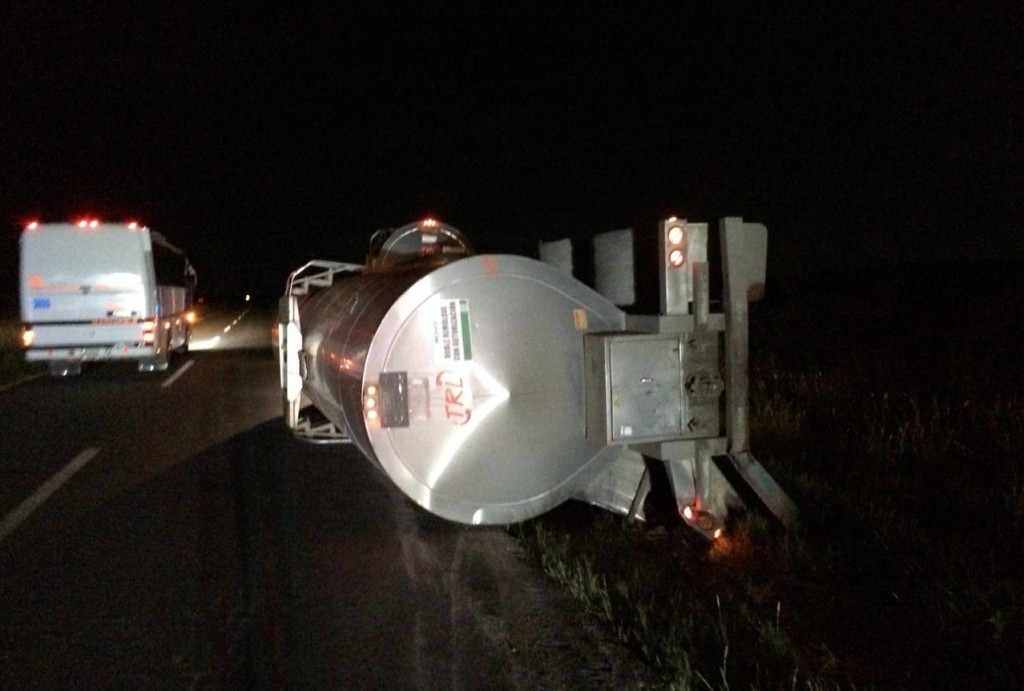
(452,340)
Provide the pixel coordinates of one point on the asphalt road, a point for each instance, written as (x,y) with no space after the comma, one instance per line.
(165,530)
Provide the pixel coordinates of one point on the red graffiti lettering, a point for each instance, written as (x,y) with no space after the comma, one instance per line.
(447,378)
(455,409)
(453,397)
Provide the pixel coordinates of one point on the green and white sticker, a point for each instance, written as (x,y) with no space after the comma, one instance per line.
(452,341)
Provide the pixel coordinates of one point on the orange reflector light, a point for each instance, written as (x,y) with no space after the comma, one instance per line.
(370,408)
(190,317)
(702,519)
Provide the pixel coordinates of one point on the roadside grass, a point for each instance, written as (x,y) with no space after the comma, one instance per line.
(13,367)
(901,440)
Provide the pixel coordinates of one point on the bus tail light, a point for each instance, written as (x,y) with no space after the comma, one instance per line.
(149,332)
(28,337)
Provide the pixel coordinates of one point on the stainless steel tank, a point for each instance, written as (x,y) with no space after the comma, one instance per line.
(464,383)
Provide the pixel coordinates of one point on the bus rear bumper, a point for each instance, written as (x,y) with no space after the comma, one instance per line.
(90,353)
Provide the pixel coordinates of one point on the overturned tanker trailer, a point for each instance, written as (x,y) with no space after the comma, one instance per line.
(491,388)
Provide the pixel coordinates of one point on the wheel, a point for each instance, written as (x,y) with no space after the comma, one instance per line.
(160,362)
(183,348)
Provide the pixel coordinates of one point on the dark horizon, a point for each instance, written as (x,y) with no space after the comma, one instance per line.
(259,137)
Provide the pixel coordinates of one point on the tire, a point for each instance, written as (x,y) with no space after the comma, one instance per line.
(183,348)
(160,363)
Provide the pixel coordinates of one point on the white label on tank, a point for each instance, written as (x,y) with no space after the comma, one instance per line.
(452,342)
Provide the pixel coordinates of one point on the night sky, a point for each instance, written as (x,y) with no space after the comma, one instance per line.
(258,135)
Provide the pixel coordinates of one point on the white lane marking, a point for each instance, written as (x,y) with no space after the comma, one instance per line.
(208,344)
(174,377)
(14,518)
(227,328)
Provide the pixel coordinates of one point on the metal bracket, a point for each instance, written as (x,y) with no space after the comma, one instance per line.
(622,487)
(299,282)
(764,486)
(316,429)
(289,349)
(704,496)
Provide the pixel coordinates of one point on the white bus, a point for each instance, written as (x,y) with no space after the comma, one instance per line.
(93,291)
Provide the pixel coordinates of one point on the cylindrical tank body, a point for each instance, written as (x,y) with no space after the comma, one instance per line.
(463,383)
(338,325)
